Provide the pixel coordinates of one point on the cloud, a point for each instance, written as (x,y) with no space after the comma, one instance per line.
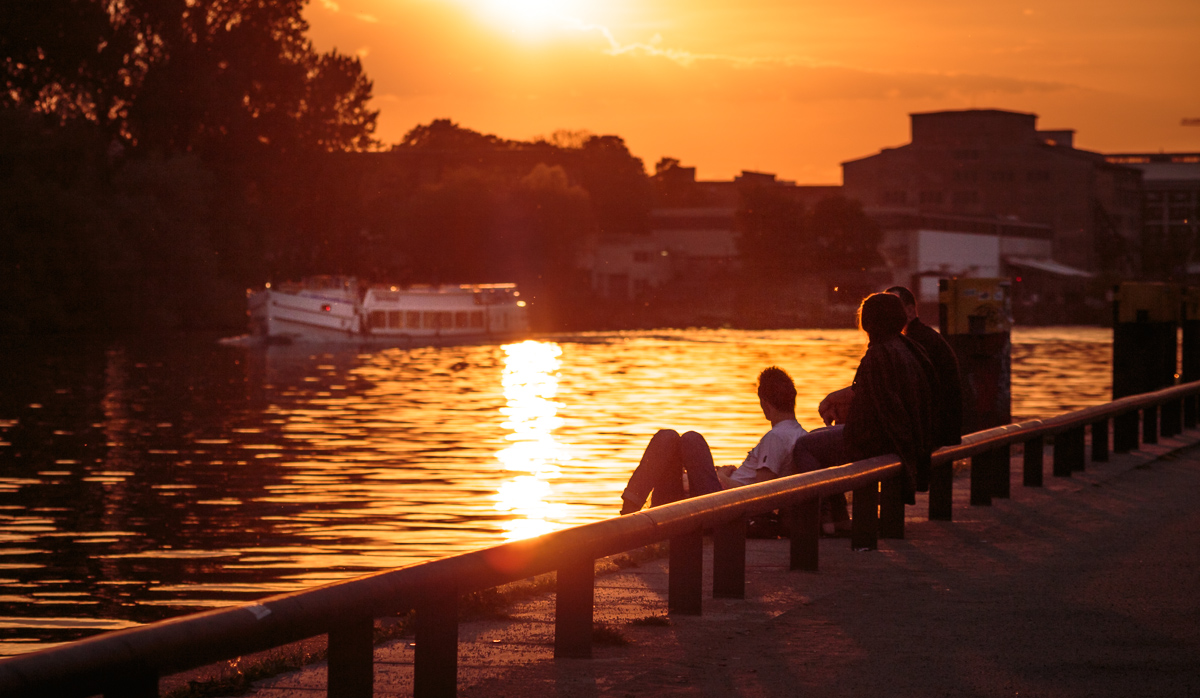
(330,5)
(370,19)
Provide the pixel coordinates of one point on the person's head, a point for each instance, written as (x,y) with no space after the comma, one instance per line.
(882,316)
(776,389)
(907,298)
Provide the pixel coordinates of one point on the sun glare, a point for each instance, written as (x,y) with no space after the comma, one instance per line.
(532,16)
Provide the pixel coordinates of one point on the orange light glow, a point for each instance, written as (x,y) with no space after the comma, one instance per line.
(530,383)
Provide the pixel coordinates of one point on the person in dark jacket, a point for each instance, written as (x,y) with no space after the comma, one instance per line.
(947,396)
(888,409)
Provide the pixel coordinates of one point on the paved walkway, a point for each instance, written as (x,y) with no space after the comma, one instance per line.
(1089,586)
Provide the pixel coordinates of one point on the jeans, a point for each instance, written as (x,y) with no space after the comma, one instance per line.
(823,448)
(660,472)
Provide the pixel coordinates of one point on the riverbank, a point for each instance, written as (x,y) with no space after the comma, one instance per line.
(1086,587)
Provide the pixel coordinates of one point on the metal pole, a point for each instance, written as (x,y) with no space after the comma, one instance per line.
(686,577)
(729,560)
(575,585)
(891,508)
(1100,441)
(1034,461)
(981,485)
(435,660)
(864,523)
(804,529)
(352,658)
(941,492)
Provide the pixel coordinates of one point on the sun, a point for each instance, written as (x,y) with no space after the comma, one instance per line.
(531,16)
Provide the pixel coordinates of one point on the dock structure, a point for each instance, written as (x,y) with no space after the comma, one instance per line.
(1071,586)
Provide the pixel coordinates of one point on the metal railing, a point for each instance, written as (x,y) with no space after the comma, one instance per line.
(129,663)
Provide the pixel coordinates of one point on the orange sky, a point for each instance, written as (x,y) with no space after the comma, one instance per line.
(782,86)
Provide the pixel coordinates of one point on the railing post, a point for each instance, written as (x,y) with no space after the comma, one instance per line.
(864,523)
(1125,432)
(981,483)
(1100,441)
(1034,461)
(1150,425)
(134,684)
(1172,418)
(804,529)
(1190,411)
(1001,469)
(435,659)
(686,576)
(891,507)
(352,658)
(575,587)
(941,492)
(1078,441)
(729,561)
(1068,452)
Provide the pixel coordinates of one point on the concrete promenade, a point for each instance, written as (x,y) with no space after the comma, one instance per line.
(1089,586)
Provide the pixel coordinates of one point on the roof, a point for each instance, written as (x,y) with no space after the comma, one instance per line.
(1049,266)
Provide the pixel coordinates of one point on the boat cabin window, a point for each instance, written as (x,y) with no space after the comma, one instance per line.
(430,320)
(377,318)
(477,318)
(446,320)
(461,319)
(414,319)
(394,319)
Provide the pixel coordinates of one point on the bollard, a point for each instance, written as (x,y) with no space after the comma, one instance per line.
(685,578)
(891,508)
(435,659)
(941,492)
(975,317)
(864,522)
(1189,361)
(729,561)
(1145,318)
(804,530)
(574,596)
(352,658)
(1100,441)
(1034,462)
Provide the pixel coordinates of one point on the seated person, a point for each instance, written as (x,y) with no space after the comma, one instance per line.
(888,409)
(659,475)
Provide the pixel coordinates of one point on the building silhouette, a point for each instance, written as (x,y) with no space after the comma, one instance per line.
(984,167)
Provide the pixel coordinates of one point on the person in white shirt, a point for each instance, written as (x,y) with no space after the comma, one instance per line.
(659,475)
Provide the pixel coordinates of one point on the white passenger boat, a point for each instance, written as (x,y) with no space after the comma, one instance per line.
(337,309)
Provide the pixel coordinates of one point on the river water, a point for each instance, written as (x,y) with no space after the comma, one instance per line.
(144,479)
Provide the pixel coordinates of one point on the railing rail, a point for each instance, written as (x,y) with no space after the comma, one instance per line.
(128,663)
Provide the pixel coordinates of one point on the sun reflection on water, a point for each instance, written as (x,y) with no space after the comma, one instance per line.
(530,382)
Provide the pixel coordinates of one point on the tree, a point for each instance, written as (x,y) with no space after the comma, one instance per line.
(842,237)
(185,75)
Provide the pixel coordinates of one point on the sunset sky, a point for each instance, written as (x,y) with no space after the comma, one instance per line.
(783,86)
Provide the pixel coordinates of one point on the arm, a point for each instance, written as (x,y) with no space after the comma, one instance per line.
(836,406)
(725,472)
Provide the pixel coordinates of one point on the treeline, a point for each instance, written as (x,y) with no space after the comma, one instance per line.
(158,158)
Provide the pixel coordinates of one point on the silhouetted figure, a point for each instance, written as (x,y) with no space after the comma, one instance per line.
(669,454)
(888,408)
(947,394)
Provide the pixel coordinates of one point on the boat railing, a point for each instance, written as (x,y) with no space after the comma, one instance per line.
(129,663)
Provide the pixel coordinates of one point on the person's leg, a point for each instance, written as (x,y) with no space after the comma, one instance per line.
(660,471)
(819,448)
(824,448)
(698,462)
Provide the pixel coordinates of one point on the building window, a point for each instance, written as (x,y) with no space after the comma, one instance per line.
(894,198)
(461,319)
(931,197)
